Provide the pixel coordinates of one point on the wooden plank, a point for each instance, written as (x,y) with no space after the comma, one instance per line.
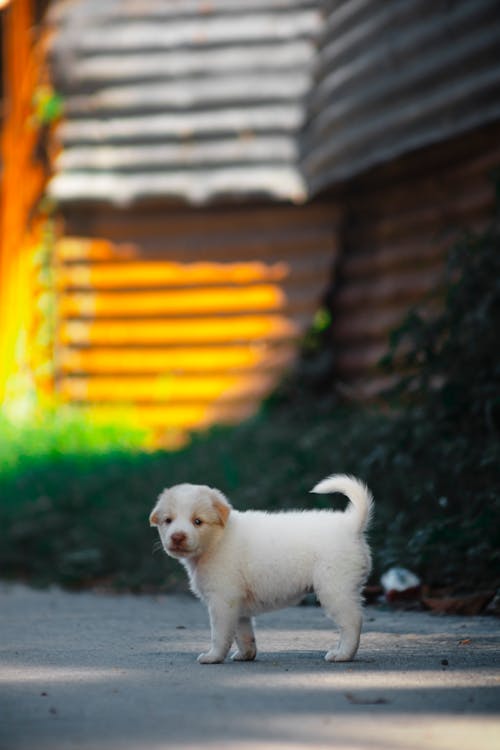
(249,248)
(370,324)
(159,273)
(168,388)
(220,221)
(188,302)
(424,251)
(185,360)
(151,275)
(210,330)
(407,287)
(437,212)
(171,417)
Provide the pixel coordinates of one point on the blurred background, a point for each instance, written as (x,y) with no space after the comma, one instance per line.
(249,244)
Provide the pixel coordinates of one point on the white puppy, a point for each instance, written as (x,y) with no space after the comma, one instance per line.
(242,564)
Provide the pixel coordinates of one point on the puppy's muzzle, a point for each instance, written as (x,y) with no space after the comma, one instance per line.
(177,542)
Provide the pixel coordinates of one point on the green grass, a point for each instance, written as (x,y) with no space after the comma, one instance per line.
(50,434)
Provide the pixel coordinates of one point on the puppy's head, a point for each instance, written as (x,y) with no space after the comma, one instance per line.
(190,519)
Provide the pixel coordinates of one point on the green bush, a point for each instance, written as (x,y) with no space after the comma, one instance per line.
(453,361)
(449,417)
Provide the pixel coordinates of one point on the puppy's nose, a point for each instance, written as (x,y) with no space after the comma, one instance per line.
(178,538)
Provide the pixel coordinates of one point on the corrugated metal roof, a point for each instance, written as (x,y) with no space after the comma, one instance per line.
(395,76)
(185,100)
(201,100)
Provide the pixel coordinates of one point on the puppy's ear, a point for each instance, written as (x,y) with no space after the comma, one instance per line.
(221,505)
(153,518)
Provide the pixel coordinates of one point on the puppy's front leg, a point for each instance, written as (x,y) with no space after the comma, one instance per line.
(223,621)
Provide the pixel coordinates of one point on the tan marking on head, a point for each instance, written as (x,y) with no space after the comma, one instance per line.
(207,516)
(154,517)
(221,505)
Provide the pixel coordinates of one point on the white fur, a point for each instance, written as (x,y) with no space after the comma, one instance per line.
(242,564)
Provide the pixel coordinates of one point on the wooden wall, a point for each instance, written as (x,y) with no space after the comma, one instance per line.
(401,133)
(398,224)
(193,315)
(190,315)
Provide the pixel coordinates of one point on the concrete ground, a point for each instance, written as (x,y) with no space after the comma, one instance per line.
(101,672)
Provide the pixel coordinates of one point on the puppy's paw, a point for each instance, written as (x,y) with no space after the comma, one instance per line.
(210,657)
(336,655)
(244,656)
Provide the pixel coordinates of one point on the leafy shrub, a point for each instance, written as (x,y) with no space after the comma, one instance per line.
(449,420)
(453,362)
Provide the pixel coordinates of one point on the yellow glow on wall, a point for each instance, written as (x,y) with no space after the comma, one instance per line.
(182,344)
(173,302)
(175,418)
(189,359)
(194,330)
(95,249)
(161,273)
(165,388)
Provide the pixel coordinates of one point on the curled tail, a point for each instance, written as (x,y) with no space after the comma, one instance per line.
(359,495)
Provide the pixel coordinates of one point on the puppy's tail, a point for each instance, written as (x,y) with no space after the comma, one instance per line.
(360,497)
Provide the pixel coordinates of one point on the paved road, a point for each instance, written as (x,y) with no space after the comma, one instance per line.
(100,672)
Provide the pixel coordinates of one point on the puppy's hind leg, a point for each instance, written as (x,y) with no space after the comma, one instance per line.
(349,621)
(345,609)
(245,640)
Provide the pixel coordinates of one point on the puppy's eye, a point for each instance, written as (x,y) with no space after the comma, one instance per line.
(197,521)
(168,520)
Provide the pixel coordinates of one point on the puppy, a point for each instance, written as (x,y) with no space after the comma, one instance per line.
(241,564)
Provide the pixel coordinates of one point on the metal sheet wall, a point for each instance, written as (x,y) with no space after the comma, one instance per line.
(395,76)
(196,101)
